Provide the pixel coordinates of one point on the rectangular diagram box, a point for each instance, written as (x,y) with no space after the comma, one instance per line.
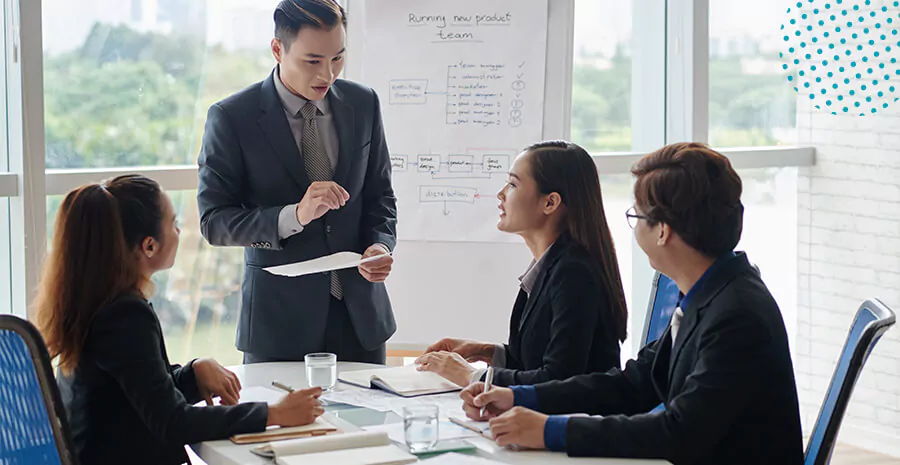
(495,163)
(429,163)
(398,162)
(408,91)
(460,163)
(447,194)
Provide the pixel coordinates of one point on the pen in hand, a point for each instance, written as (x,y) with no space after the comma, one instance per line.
(288,389)
(283,387)
(488,380)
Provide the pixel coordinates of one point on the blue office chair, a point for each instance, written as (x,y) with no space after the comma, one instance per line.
(663,297)
(872,319)
(33,427)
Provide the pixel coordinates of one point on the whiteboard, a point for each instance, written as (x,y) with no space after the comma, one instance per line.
(465,289)
(462,89)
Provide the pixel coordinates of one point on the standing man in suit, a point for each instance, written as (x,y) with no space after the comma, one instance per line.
(294,168)
(722,368)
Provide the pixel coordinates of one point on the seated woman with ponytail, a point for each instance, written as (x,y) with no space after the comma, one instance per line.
(125,402)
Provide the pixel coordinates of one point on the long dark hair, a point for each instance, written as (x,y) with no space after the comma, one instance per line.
(567,169)
(90,262)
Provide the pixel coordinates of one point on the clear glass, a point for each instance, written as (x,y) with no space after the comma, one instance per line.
(601,75)
(321,370)
(128,83)
(751,102)
(198,299)
(420,427)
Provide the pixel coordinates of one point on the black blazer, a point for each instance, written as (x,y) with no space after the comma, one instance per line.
(565,327)
(728,386)
(249,169)
(127,404)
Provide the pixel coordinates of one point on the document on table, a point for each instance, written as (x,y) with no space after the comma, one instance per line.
(253,394)
(448,404)
(335,261)
(459,459)
(446,431)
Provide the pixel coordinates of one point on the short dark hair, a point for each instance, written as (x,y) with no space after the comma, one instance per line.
(293,15)
(694,190)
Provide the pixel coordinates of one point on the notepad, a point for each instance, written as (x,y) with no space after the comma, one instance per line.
(317,428)
(359,448)
(403,381)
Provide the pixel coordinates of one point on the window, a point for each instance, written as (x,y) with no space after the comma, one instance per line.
(770,233)
(5,259)
(199,298)
(601,76)
(751,102)
(129,85)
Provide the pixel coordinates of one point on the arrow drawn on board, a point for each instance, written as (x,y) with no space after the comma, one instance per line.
(446,212)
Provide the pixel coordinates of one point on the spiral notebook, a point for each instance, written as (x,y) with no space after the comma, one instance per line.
(403,381)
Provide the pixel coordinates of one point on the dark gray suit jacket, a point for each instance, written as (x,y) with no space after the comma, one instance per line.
(250,168)
(728,385)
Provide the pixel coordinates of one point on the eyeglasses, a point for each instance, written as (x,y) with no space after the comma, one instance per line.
(632,217)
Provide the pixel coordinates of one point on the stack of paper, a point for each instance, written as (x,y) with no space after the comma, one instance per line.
(363,448)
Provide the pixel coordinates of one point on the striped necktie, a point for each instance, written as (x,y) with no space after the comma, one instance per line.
(318,166)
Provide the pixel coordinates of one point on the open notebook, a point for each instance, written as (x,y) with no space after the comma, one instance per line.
(403,381)
(358,448)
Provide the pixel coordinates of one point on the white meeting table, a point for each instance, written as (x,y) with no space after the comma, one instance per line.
(225,452)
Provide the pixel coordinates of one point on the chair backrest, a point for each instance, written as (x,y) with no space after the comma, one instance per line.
(872,319)
(33,427)
(663,297)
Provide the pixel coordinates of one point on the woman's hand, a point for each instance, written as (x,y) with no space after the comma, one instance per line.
(472,351)
(297,408)
(450,365)
(214,380)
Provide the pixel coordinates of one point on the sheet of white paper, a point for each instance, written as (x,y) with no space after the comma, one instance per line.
(252,394)
(446,431)
(374,399)
(335,261)
(449,404)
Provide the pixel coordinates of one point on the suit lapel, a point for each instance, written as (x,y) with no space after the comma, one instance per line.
(275,125)
(549,261)
(688,325)
(710,290)
(344,118)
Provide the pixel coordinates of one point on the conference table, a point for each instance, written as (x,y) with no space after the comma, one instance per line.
(225,452)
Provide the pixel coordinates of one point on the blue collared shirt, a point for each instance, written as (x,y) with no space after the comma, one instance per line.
(556,425)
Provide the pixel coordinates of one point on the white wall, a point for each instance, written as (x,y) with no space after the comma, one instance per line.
(849,250)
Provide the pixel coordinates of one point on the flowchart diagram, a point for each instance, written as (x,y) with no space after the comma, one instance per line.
(478,94)
(476,164)
(459,100)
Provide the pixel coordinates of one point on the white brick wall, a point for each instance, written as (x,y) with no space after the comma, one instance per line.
(849,250)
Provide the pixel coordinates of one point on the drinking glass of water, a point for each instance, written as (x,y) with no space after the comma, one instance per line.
(420,427)
(321,370)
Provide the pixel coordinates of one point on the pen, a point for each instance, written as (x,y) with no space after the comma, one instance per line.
(488,379)
(283,387)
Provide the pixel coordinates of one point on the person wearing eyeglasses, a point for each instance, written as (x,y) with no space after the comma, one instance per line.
(723,368)
(570,314)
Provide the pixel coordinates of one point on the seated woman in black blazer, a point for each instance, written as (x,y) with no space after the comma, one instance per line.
(722,368)
(570,314)
(125,402)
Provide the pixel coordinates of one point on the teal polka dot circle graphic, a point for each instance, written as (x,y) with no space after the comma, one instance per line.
(843,55)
